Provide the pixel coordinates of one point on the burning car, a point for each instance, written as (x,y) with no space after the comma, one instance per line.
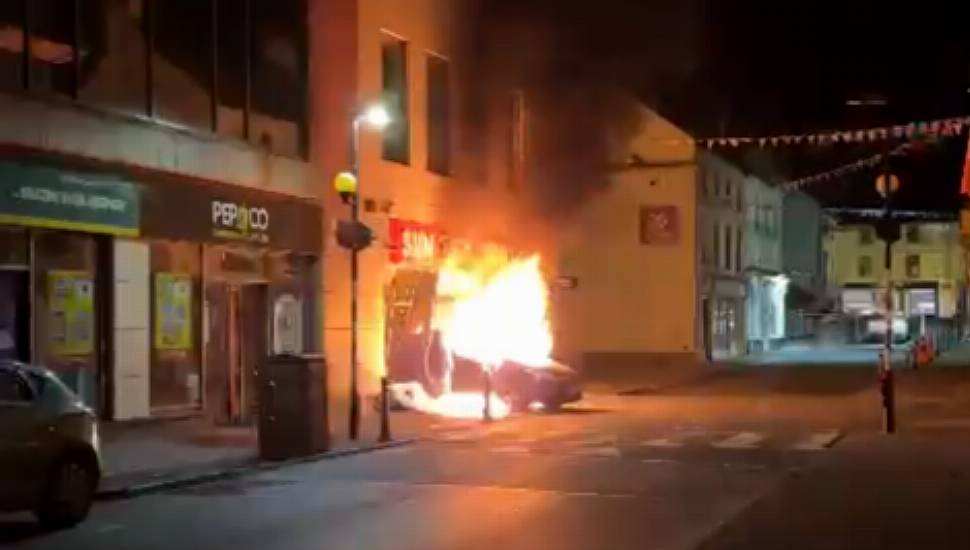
(472,318)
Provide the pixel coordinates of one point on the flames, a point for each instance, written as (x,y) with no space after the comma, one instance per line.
(492,310)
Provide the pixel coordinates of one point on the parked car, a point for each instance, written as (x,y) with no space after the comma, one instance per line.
(875,329)
(50,461)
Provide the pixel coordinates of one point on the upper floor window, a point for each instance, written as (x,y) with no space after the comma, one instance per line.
(236,67)
(439,115)
(727,249)
(738,248)
(717,245)
(394,74)
(866,235)
(865,266)
(913,234)
(912,266)
(717,184)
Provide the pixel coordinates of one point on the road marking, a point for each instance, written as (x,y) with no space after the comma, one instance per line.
(659,461)
(818,441)
(662,442)
(512,449)
(743,440)
(606,452)
(500,488)
(109,528)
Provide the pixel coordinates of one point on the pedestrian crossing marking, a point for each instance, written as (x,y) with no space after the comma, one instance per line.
(818,441)
(662,442)
(742,440)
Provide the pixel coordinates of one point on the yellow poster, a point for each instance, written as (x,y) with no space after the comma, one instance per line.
(70,297)
(173,311)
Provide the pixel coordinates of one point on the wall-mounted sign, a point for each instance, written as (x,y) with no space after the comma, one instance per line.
(70,295)
(413,242)
(659,225)
(231,220)
(181,210)
(41,196)
(567,282)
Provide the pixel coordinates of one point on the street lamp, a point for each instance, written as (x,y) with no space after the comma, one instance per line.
(375,117)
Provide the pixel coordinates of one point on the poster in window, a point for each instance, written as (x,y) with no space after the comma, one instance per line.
(173,311)
(659,225)
(71,298)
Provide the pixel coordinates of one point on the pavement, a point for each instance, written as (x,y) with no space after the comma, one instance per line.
(759,457)
(146,456)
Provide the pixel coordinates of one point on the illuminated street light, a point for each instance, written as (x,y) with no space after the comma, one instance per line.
(376,117)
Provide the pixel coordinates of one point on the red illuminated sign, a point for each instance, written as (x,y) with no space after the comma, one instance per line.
(413,241)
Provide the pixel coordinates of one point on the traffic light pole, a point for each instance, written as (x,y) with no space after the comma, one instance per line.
(354,284)
(886,383)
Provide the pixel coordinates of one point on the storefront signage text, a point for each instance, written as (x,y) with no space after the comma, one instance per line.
(231,220)
(413,242)
(43,196)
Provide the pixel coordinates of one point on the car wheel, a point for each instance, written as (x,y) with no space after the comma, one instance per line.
(67,498)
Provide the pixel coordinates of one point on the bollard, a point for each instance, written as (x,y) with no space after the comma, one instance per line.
(487,406)
(385,435)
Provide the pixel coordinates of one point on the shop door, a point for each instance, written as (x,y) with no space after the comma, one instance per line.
(237,345)
(15,315)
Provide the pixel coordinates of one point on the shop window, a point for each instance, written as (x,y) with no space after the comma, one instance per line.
(12,46)
(176,361)
(439,115)
(231,43)
(113,67)
(865,266)
(278,55)
(912,266)
(181,61)
(65,308)
(51,30)
(394,73)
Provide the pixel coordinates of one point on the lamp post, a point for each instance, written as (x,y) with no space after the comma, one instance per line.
(376,117)
(887,184)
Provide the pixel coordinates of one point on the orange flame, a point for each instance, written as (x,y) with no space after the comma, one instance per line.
(493,310)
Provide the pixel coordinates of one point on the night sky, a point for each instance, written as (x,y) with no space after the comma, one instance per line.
(755,68)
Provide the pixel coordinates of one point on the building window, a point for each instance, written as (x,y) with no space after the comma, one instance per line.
(865,266)
(51,29)
(717,185)
(739,199)
(738,249)
(912,266)
(913,234)
(11,56)
(439,115)
(113,66)
(176,358)
(717,245)
(866,235)
(237,67)
(702,179)
(727,189)
(727,248)
(181,62)
(278,75)
(394,72)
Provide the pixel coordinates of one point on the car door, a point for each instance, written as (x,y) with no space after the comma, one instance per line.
(18,419)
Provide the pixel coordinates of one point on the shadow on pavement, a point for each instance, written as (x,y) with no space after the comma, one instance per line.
(18,529)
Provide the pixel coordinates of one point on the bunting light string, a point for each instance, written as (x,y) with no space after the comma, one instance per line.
(861,164)
(945,127)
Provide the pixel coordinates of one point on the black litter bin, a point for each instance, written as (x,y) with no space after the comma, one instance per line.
(293,407)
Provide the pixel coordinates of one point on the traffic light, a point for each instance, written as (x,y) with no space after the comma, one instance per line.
(354,235)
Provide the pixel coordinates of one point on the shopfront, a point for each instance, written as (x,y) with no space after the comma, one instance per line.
(233,277)
(56,230)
